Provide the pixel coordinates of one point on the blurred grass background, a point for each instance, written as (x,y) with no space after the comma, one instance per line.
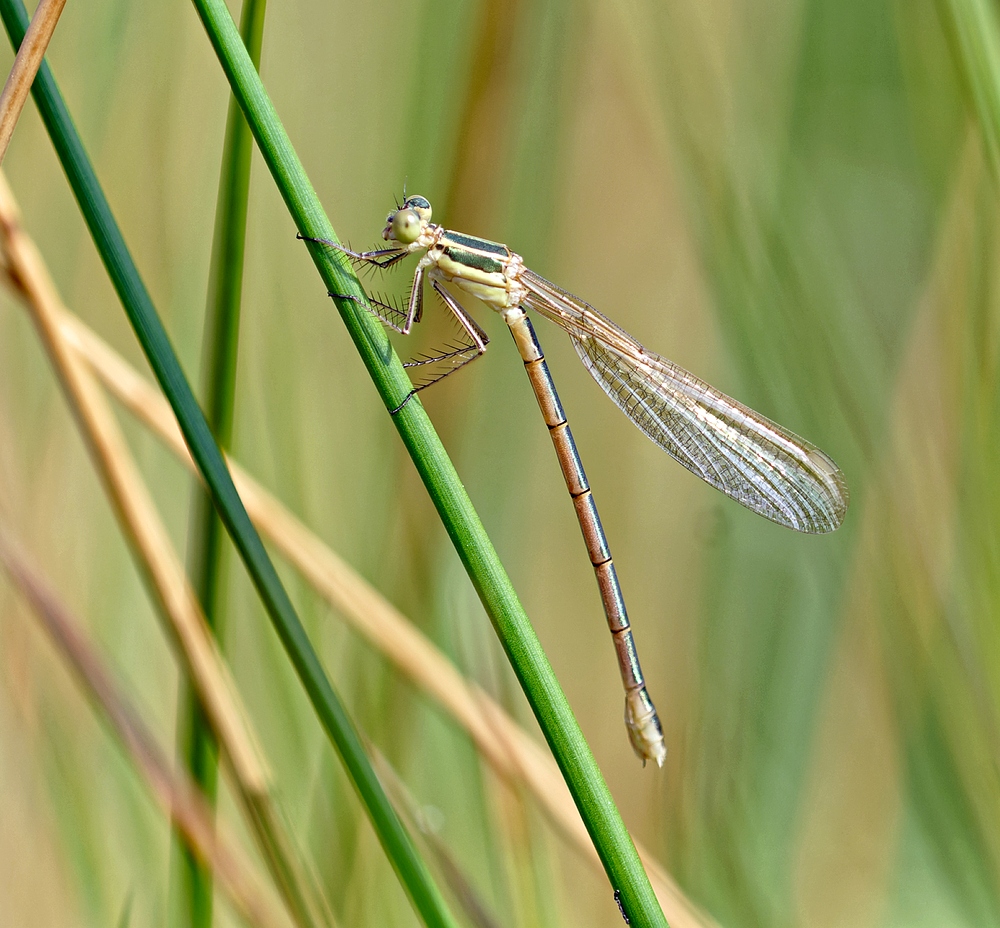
(789,198)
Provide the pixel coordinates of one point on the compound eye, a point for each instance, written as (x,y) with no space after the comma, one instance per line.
(420,205)
(405,226)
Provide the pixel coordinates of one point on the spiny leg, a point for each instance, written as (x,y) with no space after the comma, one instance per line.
(382,258)
(457,357)
(415,308)
(472,328)
(389,313)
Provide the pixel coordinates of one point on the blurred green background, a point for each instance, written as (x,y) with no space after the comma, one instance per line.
(791,199)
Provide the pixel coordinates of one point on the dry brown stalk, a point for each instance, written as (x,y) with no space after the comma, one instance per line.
(177,795)
(154,552)
(26,63)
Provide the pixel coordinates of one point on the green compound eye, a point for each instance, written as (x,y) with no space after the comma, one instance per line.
(406,226)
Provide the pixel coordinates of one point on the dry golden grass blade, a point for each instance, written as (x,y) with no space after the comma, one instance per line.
(177,795)
(134,506)
(500,740)
(26,63)
(148,537)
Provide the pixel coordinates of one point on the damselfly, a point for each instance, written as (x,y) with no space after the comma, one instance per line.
(755,461)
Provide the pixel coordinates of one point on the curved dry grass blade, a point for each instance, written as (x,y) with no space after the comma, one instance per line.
(176,794)
(507,747)
(26,62)
(151,545)
(132,502)
(137,514)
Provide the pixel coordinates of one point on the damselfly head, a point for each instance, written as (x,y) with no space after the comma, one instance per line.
(404,225)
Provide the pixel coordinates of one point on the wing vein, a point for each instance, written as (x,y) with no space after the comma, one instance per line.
(750,458)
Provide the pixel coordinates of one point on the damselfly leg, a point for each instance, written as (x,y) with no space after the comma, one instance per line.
(442,363)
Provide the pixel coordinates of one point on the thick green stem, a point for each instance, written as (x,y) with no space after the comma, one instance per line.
(474,547)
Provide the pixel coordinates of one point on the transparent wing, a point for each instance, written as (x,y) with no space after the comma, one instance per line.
(750,458)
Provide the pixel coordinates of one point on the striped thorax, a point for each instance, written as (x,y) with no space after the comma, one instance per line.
(485,270)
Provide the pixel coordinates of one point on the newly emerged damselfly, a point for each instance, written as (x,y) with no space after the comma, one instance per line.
(750,458)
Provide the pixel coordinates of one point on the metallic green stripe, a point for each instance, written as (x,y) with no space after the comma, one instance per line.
(475,244)
(474,259)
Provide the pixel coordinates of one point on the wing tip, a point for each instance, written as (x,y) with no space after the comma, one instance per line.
(837,497)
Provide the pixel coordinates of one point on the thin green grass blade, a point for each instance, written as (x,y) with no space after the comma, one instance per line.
(974,31)
(221,345)
(413,873)
(476,551)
